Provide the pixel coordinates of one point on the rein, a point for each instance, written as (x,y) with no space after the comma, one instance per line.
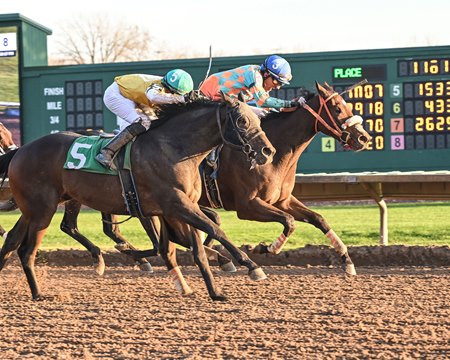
(244,146)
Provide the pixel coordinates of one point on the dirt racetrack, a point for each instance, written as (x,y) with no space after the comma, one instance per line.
(299,312)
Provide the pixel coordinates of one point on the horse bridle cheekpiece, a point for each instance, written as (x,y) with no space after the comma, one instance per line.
(340,132)
(242,135)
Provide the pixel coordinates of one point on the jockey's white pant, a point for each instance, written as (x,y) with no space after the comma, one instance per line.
(124,108)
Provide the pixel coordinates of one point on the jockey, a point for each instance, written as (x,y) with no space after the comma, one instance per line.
(254,82)
(133,99)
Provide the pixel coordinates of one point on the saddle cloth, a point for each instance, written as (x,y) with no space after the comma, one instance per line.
(81,155)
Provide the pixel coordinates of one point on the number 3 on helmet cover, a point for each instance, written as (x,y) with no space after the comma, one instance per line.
(278,67)
(178,81)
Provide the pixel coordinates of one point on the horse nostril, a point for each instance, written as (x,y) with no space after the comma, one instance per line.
(363,139)
(267,151)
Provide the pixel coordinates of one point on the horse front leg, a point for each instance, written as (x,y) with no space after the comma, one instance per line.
(69,226)
(258,210)
(301,213)
(188,212)
(182,230)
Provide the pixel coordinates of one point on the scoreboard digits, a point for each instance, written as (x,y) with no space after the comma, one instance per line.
(407,111)
(368,101)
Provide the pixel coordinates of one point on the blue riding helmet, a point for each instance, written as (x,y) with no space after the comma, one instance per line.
(278,67)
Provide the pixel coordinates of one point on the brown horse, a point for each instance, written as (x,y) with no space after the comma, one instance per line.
(265,194)
(166,162)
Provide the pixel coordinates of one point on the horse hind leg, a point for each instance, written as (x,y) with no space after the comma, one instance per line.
(70,227)
(14,238)
(225,263)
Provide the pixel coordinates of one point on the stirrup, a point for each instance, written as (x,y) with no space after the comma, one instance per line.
(103,160)
(109,164)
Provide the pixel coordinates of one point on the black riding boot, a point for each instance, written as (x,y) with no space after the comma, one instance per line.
(113,146)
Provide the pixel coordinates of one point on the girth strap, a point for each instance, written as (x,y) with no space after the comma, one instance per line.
(128,185)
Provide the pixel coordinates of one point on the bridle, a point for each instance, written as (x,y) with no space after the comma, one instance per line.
(243,137)
(342,135)
(339,132)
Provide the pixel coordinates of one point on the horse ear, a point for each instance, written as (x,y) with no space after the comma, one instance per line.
(329,87)
(321,89)
(224,96)
(241,97)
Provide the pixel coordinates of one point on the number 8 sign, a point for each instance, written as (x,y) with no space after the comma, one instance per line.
(8,42)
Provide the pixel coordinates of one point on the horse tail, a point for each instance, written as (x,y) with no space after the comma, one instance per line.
(4,163)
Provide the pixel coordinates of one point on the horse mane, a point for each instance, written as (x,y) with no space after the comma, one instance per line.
(166,111)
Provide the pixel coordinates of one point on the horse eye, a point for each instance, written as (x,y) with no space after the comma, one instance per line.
(338,110)
(242,123)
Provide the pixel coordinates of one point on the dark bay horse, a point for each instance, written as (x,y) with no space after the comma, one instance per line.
(165,162)
(265,193)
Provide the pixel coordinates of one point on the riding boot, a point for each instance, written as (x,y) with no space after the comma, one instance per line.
(113,146)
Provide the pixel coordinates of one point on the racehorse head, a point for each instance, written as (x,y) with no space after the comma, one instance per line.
(242,130)
(6,140)
(335,118)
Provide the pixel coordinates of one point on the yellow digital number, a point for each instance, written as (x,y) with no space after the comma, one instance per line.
(380,90)
(370,125)
(379,142)
(440,121)
(379,125)
(368,91)
(439,86)
(429,104)
(359,107)
(429,123)
(440,106)
(420,121)
(426,89)
(447,88)
(376,108)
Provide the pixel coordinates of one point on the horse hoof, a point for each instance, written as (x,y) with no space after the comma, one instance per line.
(40,298)
(257,274)
(350,270)
(219,298)
(146,267)
(228,267)
(187,292)
(99,266)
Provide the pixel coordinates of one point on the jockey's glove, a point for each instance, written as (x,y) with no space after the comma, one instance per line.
(298,102)
(193,96)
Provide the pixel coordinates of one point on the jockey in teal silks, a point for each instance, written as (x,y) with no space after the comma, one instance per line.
(254,82)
